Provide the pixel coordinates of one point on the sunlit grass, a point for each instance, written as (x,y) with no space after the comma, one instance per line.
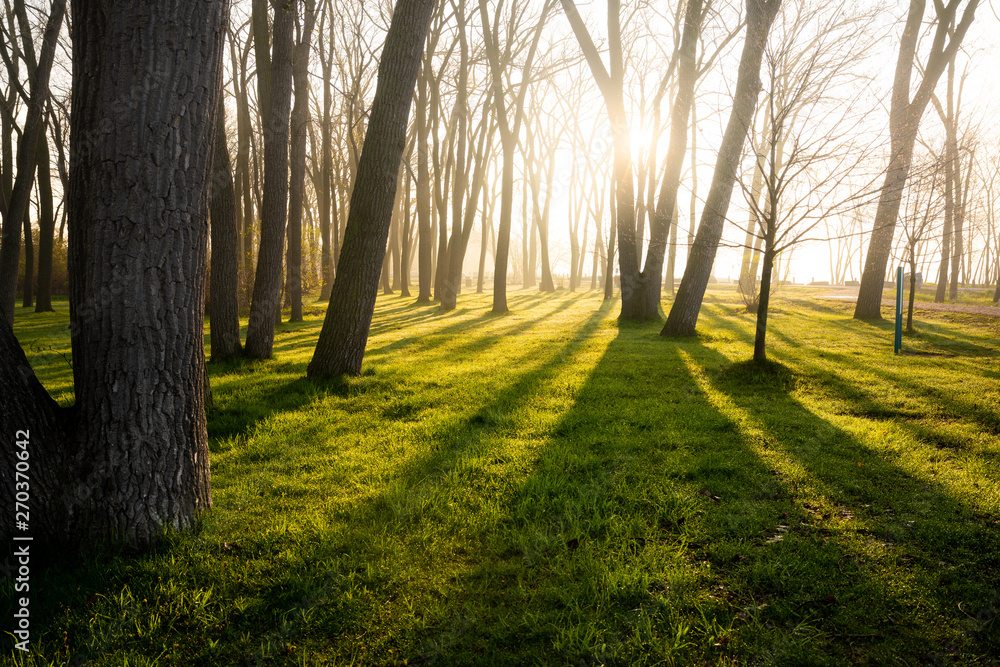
(548,487)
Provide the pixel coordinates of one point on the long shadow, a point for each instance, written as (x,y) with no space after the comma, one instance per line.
(600,534)
(517,322)
(662,515)
(263,400)
(717,473)
(892,520)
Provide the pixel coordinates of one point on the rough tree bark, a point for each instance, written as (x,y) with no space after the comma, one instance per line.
(684,313)
(341,345)
(267,281)
(131,457)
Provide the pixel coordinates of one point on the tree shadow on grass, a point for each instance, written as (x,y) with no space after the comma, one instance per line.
(277,385)
(890,529)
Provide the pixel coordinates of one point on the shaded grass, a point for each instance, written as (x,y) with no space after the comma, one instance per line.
(551,487)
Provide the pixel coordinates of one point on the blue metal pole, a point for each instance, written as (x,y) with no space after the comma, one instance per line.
(899,309)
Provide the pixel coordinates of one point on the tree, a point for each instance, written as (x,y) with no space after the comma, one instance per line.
(904,120)
(297,161)
(224,281)
(17,206)
(267,281)
(805,157)
(341,345)
(510,129)
(664,217)
(684,312)
(131,457)
(611,81)
(918,215)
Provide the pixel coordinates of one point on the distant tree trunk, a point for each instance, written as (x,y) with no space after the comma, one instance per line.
(327,54)
(405,250)
(342,341)
(650,280)
(509,131)
(759,349)
(684,313)
(913,285)
(267,281)
(609,267)
(424,238)
(131,457)
(546,285)
(460,238)
(28,294)
(748,278)
(297,162)
(444,151)
(17,206)
(611,83)
(672,252)
(904,120)
(224,312)
(959,221)
(245,212)
(487,229)
(46,228)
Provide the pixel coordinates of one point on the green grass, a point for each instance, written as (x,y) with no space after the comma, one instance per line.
(548,487)
(966,296)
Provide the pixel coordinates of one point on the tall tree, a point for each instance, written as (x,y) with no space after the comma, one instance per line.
(510,129)
(46,227)
(297,160)
(904,120)
(130,459)
(341,344)
(663,217)
(611,82)
(267,281)
(224,280)
(684,313)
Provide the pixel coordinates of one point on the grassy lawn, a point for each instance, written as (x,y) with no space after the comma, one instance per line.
(548,487)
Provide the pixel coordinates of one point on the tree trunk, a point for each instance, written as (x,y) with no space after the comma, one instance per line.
(546,285)
(223,299)
(913,286)
(267,281)
(133,459)
(46,228)
(17,206)
(405,250)
(904,119)
(342,341)
(959,222)
(297,163)
(663,219)
(424,238)
(28,293)
(509,131)
(759,350)
(684,313)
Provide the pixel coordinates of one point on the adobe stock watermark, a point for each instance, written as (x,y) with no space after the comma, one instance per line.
(22,541)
